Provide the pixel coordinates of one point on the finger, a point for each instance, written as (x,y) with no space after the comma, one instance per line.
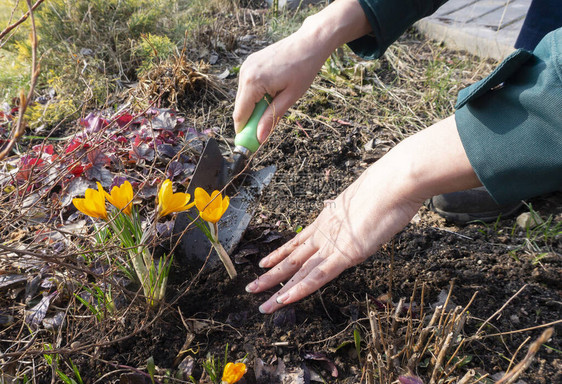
(246,98)
(286,249)
(273,304)
(284,270)
(298,289)
(277,108)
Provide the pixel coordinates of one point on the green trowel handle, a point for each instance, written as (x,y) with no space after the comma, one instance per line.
(248,137)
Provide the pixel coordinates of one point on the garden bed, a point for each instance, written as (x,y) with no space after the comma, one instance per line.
(503,281)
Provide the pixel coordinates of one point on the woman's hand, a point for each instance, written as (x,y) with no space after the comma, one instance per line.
(283,70)
(348,230)
(286,69)
(367,214)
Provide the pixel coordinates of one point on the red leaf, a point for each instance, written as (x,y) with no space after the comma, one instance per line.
(137,141)
(77,170)
(141,152)
(27,163)
(76,143)
(124,119)
(94,123)
(96,157)
(47,149)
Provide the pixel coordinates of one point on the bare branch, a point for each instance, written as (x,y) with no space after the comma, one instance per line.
(10,27)
(19,129)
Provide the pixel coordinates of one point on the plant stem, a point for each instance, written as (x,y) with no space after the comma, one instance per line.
(214,229)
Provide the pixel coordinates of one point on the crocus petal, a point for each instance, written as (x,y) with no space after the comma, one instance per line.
(212,207)
(95,203)
(178,202)
(169,202)
(121,197)
(233,372)
(201,198)
(80,205)
(163,194)
(225,204)
(179,199)
(91,205)
(216,201)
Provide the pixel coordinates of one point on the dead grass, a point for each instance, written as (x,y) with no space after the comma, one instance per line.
(413,86)
(415,342)
(179,84)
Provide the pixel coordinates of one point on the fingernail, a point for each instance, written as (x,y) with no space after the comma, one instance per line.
(281,299)
(263,309)
(263,262)
(250,288)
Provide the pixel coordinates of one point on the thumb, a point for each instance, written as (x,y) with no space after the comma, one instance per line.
(273,114)
(246,99)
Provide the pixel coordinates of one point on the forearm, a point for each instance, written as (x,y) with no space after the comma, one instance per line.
(432,162)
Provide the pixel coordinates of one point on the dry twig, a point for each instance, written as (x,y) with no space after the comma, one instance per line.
(510,377)
(19,129)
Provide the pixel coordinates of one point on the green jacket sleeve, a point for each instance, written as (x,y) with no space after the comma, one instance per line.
(510,123)
(389,19)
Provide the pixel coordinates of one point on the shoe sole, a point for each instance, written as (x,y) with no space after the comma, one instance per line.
(464,218)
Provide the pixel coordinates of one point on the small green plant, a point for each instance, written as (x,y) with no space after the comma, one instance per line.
(357,342)
(213,367)
(489,227)
(538,236)
(546,231)
(102,301)
(151,368)
(54,361)
(223,372)
(126,225)
(537,259)
(51,113)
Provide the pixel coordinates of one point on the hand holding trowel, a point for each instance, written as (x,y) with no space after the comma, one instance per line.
(214,172)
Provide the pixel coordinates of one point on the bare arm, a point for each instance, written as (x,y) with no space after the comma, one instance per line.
(286,69)
(368,213)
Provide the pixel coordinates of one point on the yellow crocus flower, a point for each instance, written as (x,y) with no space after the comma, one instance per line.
(233,372)
(93,203)
(211,207)
(122,197)
(169,202)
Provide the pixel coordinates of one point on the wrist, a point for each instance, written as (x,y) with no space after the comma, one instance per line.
(340,22)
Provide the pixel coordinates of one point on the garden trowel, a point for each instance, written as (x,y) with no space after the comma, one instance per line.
(214,172)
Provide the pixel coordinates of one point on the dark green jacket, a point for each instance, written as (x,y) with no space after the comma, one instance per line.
(389,19)
(510,123)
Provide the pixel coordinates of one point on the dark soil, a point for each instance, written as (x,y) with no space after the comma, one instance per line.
(475,258)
